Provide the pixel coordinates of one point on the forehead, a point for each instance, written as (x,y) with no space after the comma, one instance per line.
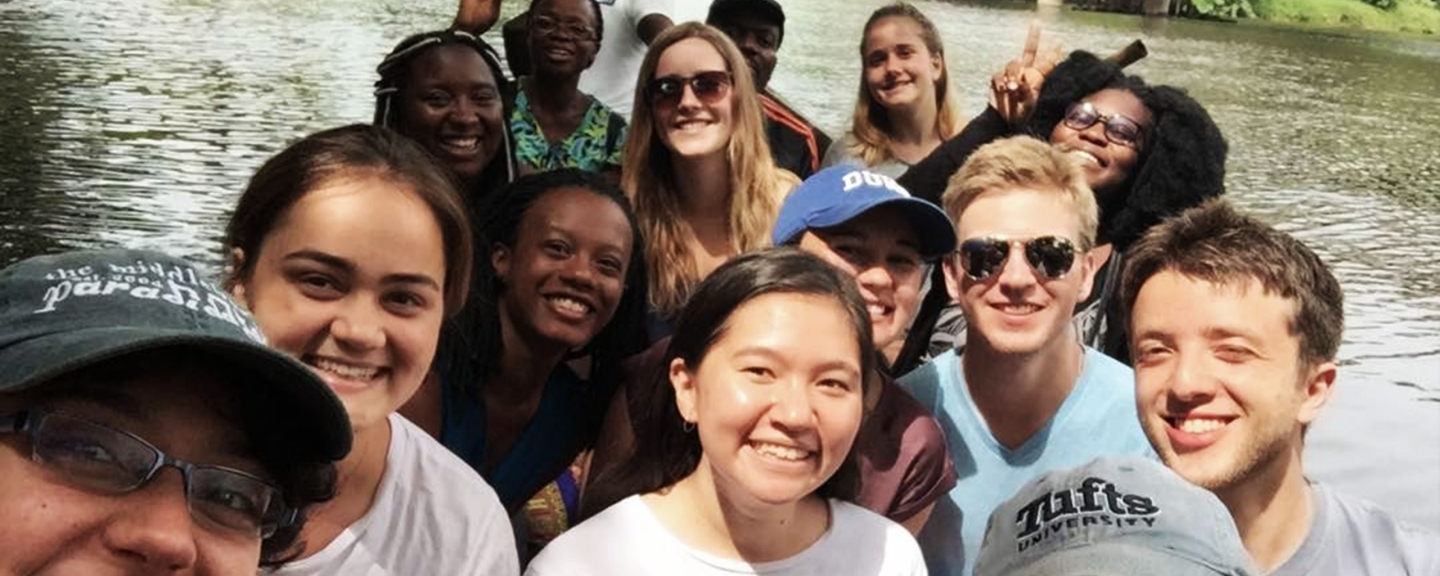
(878,227)
(893,30)
(1020,213)
(745,21)
(1122,102)
(581,212)
(565,7)
(447,61)
(689,56)
(1238,307)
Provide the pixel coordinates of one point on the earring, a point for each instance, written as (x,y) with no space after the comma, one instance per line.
(688,426)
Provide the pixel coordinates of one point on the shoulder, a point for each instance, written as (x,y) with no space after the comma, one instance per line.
(839,153)
(437,481)
(856,529)
(785,182)
(926,383)
(600,545)
(1417,548)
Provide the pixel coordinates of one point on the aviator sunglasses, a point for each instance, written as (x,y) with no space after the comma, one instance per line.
(1118,129)
(709,88)
(1050,256)
(95,457)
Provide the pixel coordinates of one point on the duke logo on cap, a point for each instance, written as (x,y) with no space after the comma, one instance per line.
(836,195)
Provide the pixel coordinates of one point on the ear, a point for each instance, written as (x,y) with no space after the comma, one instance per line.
(952,283)
(1090,264)
(1319,383)
(500,260)
(237,285)
(684,383)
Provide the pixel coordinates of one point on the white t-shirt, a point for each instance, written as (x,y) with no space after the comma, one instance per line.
(627,539)
(611,78)
(432,515)
(1352,537)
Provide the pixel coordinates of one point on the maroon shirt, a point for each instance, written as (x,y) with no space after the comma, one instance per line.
(900,449)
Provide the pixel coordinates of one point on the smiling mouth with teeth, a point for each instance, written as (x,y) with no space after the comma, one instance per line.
(1196,425)
(780,452)
(346,371)
(569,304)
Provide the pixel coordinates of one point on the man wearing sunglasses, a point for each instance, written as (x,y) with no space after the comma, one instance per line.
(1025,396)
(1234,328)
(145,428)
(757,27)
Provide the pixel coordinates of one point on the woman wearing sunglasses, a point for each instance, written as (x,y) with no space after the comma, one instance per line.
(905,108)
(743,456)
(697,164)
(1147,152)
(559,126)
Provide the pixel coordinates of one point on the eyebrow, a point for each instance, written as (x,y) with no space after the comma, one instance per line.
(348,267)
(771,353)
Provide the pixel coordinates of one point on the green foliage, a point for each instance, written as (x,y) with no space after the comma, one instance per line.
(1231,8)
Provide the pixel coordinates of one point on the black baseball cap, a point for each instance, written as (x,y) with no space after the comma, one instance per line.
(64,312)
(770,9)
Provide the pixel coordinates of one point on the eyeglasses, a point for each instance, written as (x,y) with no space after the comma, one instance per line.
(1049,256)
(709,87)
(1118,129)
(96,457)
(548,25)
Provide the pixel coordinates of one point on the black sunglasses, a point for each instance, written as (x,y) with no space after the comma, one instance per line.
(1049,256)
(1118,129)
(99,458)
(709,87)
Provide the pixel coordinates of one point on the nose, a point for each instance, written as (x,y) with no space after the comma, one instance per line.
(465,112)
(153,529)
(1190,382)
(790,405)
(688,98)
(358,326)
(875,278)
(1016,273)
(1095,133)
(579,271)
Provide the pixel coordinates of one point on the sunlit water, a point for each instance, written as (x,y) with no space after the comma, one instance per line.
(137,122)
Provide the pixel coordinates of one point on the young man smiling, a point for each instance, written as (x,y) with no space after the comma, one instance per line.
(1025,396)
(1234,328)
(118,365)
(870,228)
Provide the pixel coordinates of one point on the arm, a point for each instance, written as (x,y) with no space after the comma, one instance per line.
(476,16)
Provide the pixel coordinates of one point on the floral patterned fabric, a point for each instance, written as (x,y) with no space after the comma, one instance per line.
(596,145)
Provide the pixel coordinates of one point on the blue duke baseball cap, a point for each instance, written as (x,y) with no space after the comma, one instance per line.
(64,312)
(836,195)
(1115,516)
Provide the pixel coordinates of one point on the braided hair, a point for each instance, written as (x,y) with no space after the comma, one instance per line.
(394,73)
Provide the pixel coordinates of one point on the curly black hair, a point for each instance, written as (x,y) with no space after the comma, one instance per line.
(1183,162)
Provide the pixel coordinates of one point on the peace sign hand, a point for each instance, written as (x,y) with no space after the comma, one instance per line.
(1014,90)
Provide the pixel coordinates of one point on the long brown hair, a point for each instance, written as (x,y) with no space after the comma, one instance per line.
(649,177)
(870,126)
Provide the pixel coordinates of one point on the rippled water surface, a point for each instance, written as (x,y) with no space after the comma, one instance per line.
(138,121)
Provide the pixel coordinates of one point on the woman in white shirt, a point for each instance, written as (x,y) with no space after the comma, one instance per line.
(349,248)
(743,447)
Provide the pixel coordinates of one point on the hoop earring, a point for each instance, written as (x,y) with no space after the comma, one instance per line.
(688,426)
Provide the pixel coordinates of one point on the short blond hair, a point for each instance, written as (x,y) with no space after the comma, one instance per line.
(1023,162)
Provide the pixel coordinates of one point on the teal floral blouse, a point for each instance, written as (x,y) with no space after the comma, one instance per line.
(596,145)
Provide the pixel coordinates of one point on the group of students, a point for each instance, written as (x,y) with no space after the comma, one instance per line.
(502,309)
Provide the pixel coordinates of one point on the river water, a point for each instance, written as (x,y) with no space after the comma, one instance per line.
(139,122)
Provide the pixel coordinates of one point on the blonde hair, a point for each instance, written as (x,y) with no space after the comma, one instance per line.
(870,123)
(648,176)
(1023,162)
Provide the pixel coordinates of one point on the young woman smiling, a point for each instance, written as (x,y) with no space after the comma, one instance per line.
(445,90)
(904,109)
(697,164)
(349,248)
(563,277)
(737,469)
(554,124)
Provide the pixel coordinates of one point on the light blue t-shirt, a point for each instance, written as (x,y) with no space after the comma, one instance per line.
(1098,418)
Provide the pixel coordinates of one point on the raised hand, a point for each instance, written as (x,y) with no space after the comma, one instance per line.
(1014,90)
